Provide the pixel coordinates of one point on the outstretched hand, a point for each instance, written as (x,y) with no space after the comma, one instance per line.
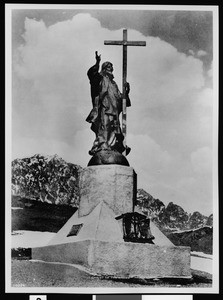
(98,57)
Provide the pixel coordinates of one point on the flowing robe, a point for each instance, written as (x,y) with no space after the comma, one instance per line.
(104,116)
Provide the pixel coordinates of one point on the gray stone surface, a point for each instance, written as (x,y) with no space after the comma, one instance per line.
(73,253)
(139,260)
(114,184)
(120,259)
(100,224)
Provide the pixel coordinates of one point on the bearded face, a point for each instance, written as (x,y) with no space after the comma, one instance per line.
(107,67)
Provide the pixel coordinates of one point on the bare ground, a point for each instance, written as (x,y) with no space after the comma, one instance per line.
(27,273)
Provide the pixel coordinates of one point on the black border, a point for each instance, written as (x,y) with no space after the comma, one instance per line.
(9,296)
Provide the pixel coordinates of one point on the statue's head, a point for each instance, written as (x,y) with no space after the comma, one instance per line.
(107,67)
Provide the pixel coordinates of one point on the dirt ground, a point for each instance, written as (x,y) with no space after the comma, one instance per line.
(27,273)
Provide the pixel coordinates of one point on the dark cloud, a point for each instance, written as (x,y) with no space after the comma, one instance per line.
(185,30)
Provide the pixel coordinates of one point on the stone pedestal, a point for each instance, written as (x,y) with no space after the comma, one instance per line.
(93,237)
(120,259)
(113,184)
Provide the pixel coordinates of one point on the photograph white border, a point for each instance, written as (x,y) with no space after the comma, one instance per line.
(8,85)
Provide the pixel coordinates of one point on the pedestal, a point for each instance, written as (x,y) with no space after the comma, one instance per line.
(93,237)
(113,184)
(120,259)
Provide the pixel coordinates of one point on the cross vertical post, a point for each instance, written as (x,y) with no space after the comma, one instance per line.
(124,43)
(124,72)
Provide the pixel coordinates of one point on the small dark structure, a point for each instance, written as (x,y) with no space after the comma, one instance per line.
(136,228)
(21,253)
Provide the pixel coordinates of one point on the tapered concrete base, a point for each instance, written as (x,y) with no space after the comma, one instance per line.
(93,237)
(120,259)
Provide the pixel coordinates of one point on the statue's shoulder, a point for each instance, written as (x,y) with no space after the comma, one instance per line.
(93,72)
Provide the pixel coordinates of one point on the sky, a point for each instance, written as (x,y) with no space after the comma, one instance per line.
(170,122)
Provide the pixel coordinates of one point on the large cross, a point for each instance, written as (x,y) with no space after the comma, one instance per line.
(124,43)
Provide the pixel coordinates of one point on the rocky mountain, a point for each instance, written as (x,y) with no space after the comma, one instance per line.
(172,217)
(149,205)
(197,220)
(183,229)
(210,221)
(47,179)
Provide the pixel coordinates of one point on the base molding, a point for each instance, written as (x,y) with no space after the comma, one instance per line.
(120,259)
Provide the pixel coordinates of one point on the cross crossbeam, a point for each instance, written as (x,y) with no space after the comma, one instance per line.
(125,43)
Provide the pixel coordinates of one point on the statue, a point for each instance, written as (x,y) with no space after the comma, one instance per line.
(108,102)
(107,106)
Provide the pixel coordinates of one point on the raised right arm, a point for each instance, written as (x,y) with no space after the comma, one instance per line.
(93,71)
